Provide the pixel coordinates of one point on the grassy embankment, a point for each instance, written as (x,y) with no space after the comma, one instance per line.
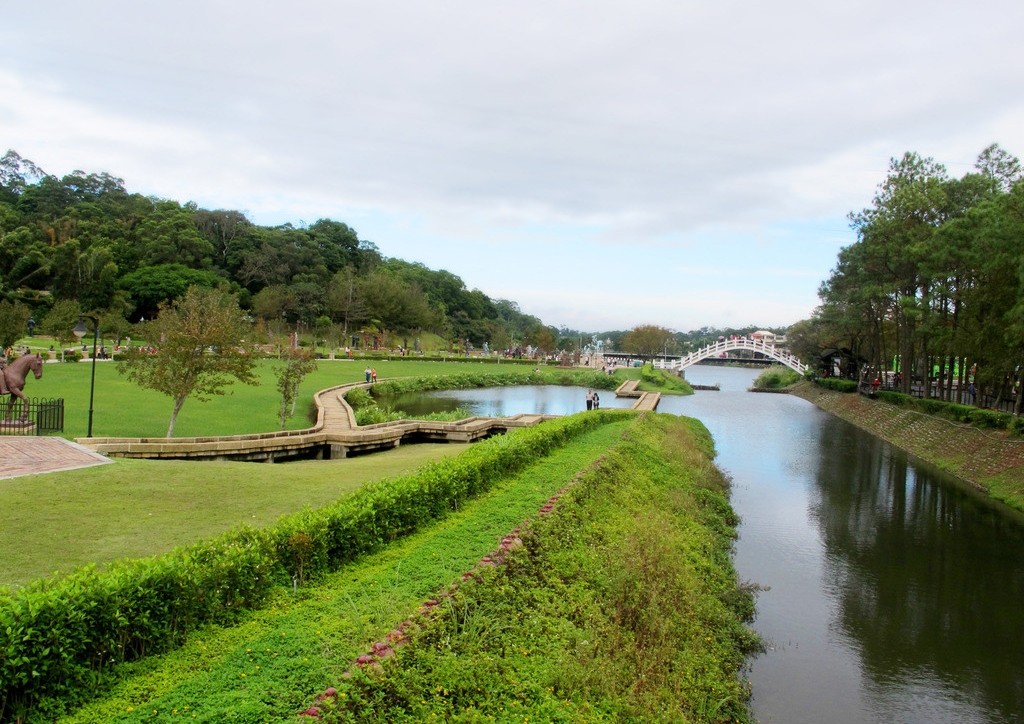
(991,460)
(776,377)
(622,604)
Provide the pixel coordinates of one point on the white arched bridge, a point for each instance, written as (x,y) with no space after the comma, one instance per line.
(721,348)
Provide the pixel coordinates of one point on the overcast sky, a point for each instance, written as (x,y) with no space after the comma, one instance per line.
(603,164)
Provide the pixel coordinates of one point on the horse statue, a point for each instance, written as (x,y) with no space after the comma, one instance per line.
(12,381)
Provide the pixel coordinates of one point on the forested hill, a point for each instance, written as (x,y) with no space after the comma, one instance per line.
(86,239)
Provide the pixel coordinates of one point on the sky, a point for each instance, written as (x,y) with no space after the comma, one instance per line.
(603,164)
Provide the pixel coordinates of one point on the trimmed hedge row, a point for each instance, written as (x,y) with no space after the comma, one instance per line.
(572,377)
(976,416)
(58,637)
(837,384)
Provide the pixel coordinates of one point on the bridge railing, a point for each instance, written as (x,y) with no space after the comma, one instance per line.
(754,345)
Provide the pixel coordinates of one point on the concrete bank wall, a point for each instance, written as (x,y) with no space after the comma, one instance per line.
(990,460)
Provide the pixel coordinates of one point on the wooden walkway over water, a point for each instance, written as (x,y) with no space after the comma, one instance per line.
(335,434)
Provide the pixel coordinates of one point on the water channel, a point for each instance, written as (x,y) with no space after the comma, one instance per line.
(893,594)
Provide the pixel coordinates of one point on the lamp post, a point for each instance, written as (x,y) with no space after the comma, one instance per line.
(80,331)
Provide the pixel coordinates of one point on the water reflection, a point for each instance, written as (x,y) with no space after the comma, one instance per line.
(504,401)
(929,579)
(895,595)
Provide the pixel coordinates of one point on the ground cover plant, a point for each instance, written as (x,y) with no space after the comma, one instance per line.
(653,380)
(62,637)
(621,606)
(776,377)
(271,663)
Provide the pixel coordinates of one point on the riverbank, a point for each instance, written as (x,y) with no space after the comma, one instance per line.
(617,598)
(991,461)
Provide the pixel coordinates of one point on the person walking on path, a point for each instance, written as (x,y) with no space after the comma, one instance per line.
(373,374)
(367,373)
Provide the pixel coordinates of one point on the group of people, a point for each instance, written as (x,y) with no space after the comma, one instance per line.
(371,374)
(593,400)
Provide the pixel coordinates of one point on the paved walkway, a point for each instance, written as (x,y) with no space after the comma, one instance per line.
(29,455)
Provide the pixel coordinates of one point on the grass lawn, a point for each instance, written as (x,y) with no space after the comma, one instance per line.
(135,508)
(270,665)
(123,409)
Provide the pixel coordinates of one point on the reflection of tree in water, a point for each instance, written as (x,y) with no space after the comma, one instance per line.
(931,580)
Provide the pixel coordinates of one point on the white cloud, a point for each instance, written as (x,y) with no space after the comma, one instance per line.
(470,135)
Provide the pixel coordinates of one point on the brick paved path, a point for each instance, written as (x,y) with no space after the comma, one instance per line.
(30,455)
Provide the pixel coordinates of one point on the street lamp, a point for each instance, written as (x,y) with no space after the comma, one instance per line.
(80,331)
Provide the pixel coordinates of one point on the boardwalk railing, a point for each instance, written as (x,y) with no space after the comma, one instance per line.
(44,415)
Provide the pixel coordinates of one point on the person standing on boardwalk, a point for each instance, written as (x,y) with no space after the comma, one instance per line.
(590,399)
(367,373)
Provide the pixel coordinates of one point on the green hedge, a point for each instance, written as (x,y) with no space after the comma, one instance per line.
(837,384)
(966,414)
(576,377)
(58,636)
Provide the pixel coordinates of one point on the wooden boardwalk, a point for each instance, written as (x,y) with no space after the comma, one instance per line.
(335,434)
(645,401)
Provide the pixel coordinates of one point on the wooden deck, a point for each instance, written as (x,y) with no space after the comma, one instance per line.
(335,434)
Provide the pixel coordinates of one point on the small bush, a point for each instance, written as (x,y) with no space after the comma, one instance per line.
(837,384)
(662,381)
(895,398)
(991,419)
(776,377)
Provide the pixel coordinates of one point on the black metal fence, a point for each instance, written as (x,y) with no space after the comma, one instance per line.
(39,417)
(961,396)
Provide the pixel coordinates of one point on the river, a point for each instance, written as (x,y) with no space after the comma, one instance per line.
(891,592)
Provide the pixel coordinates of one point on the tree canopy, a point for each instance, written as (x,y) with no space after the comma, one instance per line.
(204,344)
(85,237)
(933,285)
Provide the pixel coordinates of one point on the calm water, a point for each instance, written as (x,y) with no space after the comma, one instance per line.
(893,594)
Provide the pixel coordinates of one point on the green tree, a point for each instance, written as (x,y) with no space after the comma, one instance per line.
(152,286)
(297,363)
(345,300)
(648,340)
(60,322)
(169,236)
(14,317)
(204,343)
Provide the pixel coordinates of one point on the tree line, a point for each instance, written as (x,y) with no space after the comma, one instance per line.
(933,288)
(84,243)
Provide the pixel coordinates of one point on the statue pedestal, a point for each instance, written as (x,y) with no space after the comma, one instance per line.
(17,427)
